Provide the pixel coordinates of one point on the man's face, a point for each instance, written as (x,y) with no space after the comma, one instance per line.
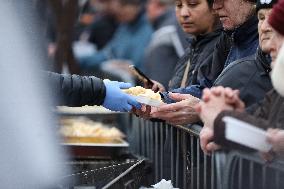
(275,44)
(233,13)
(195,16)
(264,29)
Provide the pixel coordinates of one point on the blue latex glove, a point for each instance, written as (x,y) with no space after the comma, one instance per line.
(117,100)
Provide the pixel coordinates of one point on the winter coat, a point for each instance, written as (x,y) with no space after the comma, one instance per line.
(199,53)
(74,90)
(249,75)
(240,43)
(268,114)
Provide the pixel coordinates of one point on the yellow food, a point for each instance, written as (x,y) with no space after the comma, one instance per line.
(140,91)
(84,130)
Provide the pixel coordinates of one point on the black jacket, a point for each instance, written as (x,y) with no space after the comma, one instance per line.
(200,53)
(232,46)
(250,75)
(74,90)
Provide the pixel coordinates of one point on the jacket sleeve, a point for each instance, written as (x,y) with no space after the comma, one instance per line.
(74,90)
(259,118)
(219,128)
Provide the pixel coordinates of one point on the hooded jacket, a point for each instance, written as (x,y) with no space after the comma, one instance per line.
(249,75)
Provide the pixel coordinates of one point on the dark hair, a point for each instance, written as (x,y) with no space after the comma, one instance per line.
(131,2)
(210,3)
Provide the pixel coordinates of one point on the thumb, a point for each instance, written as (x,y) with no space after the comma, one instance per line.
(132,101)
(123,85)
(178,97)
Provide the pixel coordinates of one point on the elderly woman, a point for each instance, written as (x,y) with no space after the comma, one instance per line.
(220,102)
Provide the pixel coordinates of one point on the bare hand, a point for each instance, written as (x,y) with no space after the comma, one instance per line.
(144,112)
(179,113)
(206,143)
(231,96)
(276,138)
(210,108)
(157,87)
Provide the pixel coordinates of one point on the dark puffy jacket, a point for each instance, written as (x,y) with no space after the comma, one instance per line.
(74,90)
(250,75)
(240,43)
(199,53)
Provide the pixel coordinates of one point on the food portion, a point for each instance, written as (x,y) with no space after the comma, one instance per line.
(140,91)
(83,130)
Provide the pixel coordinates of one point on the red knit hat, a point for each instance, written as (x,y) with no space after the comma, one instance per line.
(276,19)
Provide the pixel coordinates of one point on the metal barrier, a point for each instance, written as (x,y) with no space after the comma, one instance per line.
(176,155)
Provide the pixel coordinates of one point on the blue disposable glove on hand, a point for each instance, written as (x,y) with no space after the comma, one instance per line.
(116,99)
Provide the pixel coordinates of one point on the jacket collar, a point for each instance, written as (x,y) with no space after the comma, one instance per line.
(264,59)
(201,39)
(244,33)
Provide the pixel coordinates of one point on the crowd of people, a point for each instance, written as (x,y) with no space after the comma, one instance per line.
(212,59)
(208,59)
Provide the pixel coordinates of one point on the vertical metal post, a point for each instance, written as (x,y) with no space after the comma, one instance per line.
(143,140)
(251,173)
(198,163)
(147,139)
(177,157)
(277,179)
(264,177)
(151,136)
(191,162)
(156,152)
(240,179)
(184,162)
(162,128)
(172,153)
(205,172)
(212,171)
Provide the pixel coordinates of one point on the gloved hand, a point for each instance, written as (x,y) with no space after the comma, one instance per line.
(116,99)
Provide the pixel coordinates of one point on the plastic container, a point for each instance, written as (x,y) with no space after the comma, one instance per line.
(246,134)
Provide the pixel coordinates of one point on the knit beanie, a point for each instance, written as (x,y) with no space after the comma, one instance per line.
(264,4)
(276,17)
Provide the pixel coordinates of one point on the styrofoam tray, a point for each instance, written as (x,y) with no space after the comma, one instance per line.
(246,134)
(148,101)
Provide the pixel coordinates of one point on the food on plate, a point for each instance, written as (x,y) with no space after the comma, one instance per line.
(140,91)
(82,130)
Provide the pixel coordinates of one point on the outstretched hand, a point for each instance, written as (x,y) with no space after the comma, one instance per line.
(180,113)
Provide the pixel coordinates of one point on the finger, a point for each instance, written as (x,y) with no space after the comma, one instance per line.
(198,107)
(217,91)
(212,146)
(179,97)
(133,102)
(127,108)
(168,107)
(123,85)
(268,157)
(155,88)
(229,92)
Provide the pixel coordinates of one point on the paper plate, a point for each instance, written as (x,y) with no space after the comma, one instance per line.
(148,101)
(246,134)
